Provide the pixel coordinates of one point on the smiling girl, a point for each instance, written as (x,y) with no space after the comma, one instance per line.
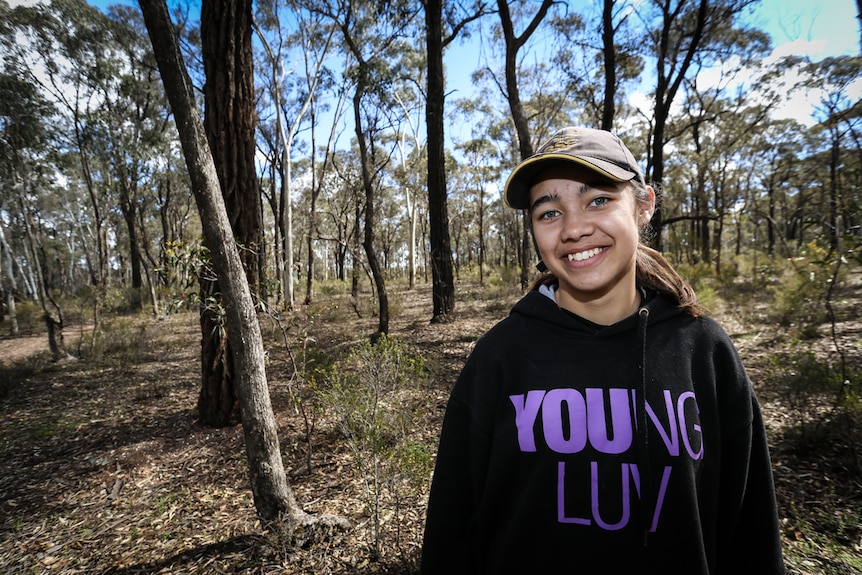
(607,424)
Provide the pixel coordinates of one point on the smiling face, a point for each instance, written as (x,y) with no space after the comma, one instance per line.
(587,231)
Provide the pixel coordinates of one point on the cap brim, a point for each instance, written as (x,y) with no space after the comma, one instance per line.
(517,190)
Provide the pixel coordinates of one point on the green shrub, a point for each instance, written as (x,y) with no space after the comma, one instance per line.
(12,375)
(119,339)
(810,385)
(30,318)
(122,299)
(374,395)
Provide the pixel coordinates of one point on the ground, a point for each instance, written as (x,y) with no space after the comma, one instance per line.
(105,469)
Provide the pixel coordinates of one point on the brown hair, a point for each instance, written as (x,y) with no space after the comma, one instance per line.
(653,271)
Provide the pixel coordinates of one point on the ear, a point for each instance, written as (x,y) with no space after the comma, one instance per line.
(647,207)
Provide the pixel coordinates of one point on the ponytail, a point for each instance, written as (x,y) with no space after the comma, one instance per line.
(655,272)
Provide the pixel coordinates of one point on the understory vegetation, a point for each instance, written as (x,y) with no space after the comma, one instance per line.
(106,469)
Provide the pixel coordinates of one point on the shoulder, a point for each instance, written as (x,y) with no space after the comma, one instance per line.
(701,330)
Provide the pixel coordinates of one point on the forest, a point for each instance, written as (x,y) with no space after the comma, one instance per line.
(246,248)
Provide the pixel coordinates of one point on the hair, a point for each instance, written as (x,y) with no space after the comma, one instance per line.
(653,271)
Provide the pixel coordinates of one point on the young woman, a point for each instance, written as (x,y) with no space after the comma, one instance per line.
(606,425)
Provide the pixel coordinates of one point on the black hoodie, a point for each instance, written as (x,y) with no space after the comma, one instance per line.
(545,465)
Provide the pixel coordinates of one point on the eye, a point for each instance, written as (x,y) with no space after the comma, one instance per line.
(547,215)
(599,201)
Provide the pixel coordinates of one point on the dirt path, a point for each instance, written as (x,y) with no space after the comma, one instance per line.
(14,349)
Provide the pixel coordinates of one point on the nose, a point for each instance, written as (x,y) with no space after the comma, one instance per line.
(576,225)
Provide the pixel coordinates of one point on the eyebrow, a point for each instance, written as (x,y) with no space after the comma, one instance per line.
(605,186)
(544,200)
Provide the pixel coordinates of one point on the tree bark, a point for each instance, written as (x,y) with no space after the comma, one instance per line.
(368,236)
(670,75)
(229,123)
(610,56)
(442,274)
(129,208)
(516,107)
(273,497)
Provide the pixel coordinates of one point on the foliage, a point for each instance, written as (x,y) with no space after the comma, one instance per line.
(800,293)
(12,375)
(809,386)
(368,393)
(29,317)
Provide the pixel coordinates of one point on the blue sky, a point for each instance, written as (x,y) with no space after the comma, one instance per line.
(813,28)
(817,28)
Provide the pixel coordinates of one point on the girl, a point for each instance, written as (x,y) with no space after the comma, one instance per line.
(607,425)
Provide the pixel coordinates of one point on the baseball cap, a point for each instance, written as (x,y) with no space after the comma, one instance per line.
(597,150)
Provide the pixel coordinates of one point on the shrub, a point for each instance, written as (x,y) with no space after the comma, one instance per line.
(373,395)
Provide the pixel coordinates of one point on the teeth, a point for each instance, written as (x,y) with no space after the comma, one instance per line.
(581,256)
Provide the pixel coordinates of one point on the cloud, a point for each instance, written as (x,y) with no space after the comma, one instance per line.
(810,48)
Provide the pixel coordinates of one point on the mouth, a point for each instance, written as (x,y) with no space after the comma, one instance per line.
(584,255)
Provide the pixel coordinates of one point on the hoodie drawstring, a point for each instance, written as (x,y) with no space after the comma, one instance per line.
(643,459)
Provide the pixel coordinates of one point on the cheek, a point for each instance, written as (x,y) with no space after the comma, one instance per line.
(545,241)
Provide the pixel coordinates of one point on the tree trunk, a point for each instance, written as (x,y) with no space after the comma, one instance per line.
(273,497)
(834,202)
(516,107)
(12,287)
(610,53)
(670,75)
(129,208)
(442,275)
(859,21)
(368,237)
(229,124)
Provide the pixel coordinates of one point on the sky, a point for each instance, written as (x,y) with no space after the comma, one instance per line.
(813,28)
(818,28)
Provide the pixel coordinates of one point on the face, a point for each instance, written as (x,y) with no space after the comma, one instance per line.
(587,230)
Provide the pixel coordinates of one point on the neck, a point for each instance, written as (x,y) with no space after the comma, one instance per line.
(603,309)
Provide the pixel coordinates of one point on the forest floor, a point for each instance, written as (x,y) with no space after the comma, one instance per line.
(104,468)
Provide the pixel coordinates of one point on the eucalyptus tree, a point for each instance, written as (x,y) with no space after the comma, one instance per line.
(134,135)
(377,39)
(24,163)
(840,117)
(713,160)
(312,39)
(686,36)
(444,21)
(66,46)
(463,220)
(319,175)
(341,198)
(273,498)
(229,120)
(514,42)
(411,172)
(719,118)
(482,170)
(595,58)
(484,153)
(28,172)
(775,155)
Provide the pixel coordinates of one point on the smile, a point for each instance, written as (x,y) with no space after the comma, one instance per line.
(581,256)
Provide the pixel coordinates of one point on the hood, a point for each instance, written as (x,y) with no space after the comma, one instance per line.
(538,306)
